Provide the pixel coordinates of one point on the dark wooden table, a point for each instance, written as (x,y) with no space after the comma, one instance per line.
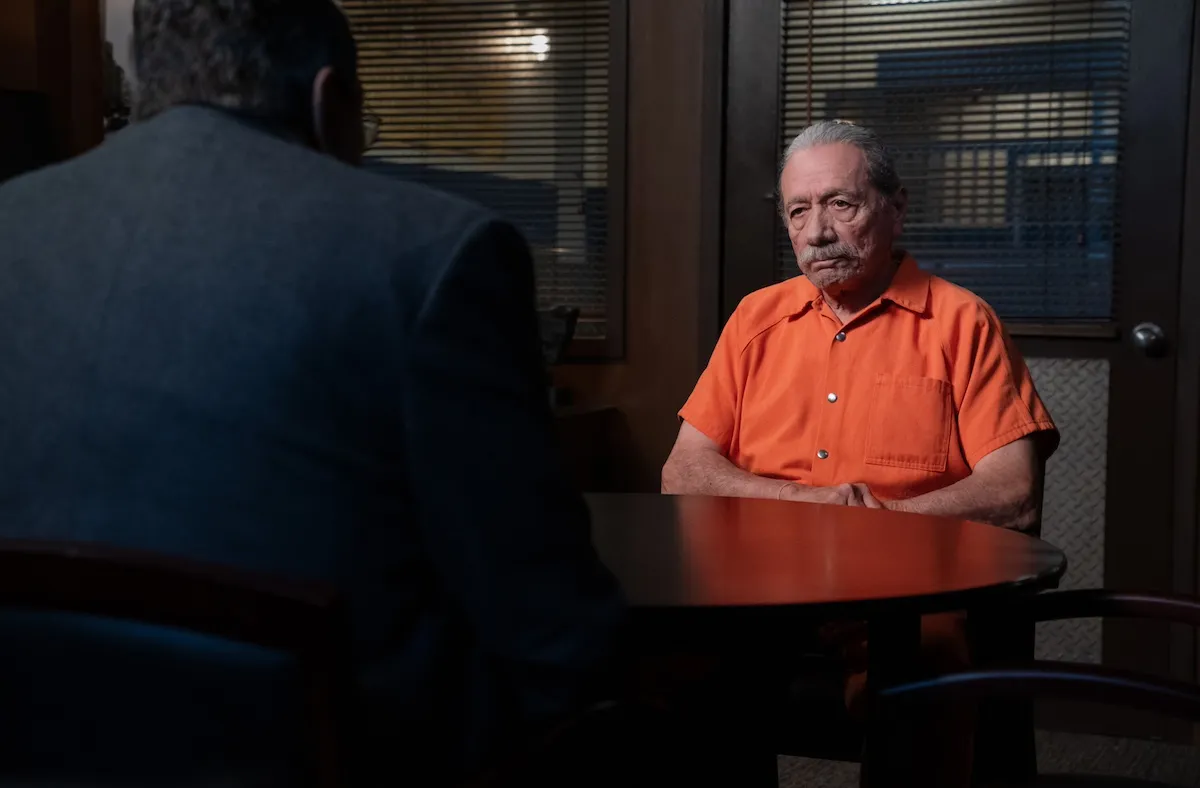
(727,573)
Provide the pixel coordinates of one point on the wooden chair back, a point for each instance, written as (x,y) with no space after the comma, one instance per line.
(304,619)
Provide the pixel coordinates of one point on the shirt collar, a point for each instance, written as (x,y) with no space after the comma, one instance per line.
(909,289)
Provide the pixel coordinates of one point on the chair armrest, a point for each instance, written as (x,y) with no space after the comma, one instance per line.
(1063,680)
(276,612)
(1099,603)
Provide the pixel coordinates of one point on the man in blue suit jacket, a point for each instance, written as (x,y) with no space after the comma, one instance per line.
(219,340)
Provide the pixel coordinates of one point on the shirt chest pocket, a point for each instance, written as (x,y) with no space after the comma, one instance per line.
(909,423)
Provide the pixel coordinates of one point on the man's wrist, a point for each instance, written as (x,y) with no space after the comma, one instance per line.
(790,491)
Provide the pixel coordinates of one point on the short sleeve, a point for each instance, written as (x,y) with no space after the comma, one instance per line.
(712,407)
(1000,403)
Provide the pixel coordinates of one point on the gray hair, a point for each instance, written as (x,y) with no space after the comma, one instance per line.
(258,57)
(881,169)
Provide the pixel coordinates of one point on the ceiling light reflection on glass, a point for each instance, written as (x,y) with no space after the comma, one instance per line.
(536,43)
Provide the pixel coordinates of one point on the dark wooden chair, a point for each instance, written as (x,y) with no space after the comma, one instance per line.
(1063,681)
(302,619)
(1017,686)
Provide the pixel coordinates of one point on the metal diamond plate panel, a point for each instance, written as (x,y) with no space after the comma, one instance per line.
(1076,392)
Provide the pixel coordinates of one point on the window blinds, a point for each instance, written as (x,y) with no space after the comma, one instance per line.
(1004,117)
(507,104)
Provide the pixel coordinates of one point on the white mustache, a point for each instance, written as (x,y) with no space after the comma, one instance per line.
(812,254)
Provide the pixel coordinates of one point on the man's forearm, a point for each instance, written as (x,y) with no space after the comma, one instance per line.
(708,473)
(1005,489)
(1008,503)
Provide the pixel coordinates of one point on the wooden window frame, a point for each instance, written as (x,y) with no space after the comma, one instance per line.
(612,346)
(751,149)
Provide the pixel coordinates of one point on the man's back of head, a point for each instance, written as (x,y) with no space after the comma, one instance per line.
(290,65)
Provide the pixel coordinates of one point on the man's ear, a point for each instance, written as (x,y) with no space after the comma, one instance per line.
(900,205)
(337,117)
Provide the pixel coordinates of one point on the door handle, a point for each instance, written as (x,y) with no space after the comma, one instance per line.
(1150,339)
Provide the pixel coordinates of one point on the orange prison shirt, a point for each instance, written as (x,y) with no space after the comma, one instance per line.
(907,397)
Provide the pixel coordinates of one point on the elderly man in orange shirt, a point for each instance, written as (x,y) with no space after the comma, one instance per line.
(865,382)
